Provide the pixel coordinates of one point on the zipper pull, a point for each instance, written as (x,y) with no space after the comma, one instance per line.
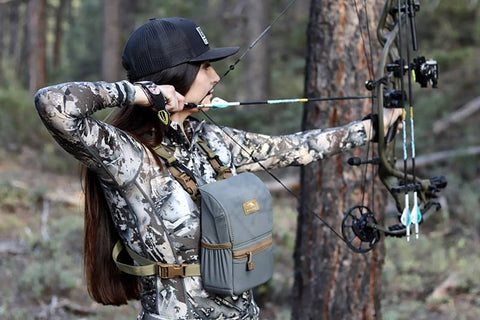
(250,264)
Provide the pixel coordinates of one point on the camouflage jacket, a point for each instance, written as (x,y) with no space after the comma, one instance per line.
(153,214)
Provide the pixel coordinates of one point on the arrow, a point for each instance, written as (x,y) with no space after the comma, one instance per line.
(219,103)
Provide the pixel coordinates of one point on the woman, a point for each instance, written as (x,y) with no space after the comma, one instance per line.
(129,193)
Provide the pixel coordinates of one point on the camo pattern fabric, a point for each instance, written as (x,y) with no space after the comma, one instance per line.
(153,214)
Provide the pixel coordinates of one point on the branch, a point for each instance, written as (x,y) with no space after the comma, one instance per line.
(69,306)
(458,116)
(429,159)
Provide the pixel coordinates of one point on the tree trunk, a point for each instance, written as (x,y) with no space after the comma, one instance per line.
(13,26)
(15,40)
(331,281)
(2,41)
(130,10)
(111,62)
(257,73)
(37,61)
(58,33)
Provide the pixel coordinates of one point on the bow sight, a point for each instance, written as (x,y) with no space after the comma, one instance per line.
(425,71)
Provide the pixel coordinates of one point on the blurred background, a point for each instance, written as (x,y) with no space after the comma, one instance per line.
(45,42)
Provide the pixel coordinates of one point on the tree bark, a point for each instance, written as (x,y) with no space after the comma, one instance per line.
(37,61)
(2,41)
(331,281)
(58,33)
(111,62)
(13,26)
(257,72)
(130,10)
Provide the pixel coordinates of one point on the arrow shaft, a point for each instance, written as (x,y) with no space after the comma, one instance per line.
(272,101)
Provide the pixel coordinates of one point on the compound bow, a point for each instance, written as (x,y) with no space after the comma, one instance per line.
(359,227)
(360,230)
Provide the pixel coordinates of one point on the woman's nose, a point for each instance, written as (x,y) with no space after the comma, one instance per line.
(214,76)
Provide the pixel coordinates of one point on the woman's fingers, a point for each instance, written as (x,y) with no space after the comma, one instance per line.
(174,100)
(390,116)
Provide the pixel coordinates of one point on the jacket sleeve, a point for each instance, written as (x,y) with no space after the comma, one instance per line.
(289,150)
(67,109)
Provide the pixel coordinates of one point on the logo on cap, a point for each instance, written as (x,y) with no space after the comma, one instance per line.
(202,35)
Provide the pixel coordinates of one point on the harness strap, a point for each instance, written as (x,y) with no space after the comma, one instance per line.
(150,268)
(165,155)
(223,172)
(187,182)
(184,176)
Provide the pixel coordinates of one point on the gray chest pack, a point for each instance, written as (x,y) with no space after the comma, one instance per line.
(236,230)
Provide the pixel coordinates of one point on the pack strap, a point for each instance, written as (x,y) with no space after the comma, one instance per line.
(223,172)
(150,268)
(184,176)
(165,155)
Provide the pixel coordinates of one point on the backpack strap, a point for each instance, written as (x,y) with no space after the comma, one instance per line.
(223,172)
(184,176)
(152,268)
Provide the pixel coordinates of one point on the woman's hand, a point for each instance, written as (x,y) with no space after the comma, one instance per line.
(390,117)
(174,101)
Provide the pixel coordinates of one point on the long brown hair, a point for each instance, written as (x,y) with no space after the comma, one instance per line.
(105,283)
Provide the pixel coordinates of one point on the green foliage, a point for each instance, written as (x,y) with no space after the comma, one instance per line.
(83,35)
(21,126)
(448,24)
(55,266)
(19,122)
(13,197)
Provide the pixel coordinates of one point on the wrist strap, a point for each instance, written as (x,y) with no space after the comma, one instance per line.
(374,119)
(156,100)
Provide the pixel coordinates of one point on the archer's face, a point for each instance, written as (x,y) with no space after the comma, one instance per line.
(206,78)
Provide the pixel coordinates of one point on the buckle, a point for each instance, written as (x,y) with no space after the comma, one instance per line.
(169,271)
(187,182)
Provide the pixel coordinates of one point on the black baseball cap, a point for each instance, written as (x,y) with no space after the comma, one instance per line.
(164,43)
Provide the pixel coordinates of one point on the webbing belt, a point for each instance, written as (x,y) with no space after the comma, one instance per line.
(150,268)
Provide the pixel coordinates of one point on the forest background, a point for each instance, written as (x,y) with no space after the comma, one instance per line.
(41,220)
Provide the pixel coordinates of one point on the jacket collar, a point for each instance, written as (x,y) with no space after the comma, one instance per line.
(174,136)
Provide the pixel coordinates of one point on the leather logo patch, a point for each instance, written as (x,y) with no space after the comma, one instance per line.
(250,206)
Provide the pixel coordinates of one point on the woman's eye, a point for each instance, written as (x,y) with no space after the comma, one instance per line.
(207,65)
